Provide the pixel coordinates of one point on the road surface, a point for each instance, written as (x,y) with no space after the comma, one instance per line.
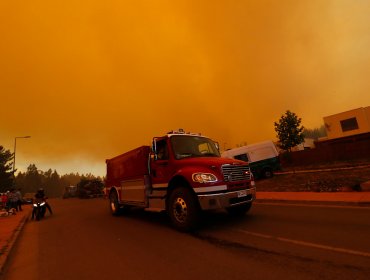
(83,241)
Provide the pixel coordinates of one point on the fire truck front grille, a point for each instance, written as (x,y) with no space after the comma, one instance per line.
(234,173)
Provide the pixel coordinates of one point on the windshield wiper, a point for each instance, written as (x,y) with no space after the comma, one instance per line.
(185,155)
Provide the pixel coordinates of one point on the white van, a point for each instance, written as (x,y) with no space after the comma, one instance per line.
(263,158)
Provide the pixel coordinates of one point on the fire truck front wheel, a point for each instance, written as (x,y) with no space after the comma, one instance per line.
(183,209)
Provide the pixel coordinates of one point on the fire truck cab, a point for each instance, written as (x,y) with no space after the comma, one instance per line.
(182,174)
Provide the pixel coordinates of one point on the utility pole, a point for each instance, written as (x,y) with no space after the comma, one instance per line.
(15,146)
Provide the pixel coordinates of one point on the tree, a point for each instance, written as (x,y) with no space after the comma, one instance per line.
(53,183)
(89,187)
(289,131)
(32,180)
(71,179)
(314,133)
(6,169)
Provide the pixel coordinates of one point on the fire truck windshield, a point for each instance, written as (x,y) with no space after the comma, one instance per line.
(193,146)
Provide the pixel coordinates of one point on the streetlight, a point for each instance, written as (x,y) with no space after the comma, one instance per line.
(15,145)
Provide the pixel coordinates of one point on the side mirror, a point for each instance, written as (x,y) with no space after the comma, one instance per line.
(154,146)
(217,146)
(153,155)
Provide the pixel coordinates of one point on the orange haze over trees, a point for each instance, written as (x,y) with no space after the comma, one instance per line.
(89,80)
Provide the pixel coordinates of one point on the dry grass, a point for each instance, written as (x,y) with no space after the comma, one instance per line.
(320,180)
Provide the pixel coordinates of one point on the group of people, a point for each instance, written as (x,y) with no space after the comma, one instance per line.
(12,199)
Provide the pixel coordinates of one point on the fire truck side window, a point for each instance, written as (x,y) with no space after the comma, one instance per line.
(162,151)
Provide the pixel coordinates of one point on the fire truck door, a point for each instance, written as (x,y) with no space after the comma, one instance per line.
(160,167)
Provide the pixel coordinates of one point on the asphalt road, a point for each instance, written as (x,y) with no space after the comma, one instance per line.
(83,241)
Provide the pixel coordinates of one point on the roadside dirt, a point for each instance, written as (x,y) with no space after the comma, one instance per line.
(331,177)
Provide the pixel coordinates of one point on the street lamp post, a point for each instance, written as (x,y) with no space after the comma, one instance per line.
(15,146)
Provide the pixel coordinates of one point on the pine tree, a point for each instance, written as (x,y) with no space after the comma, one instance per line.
(289,131)
(6,171)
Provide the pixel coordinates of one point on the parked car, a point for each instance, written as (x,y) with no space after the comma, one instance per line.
(263,158)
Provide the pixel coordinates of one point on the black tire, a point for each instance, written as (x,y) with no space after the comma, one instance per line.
(114,204)
(267,173)
(239,210)
(42,212)
(183,209)
(38,214)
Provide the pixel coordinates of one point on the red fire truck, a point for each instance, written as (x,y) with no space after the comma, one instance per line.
(182,174)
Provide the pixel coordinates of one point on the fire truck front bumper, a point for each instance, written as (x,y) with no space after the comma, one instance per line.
(226,199)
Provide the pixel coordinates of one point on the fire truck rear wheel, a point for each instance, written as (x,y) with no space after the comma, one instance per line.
(113,204)
(183,209)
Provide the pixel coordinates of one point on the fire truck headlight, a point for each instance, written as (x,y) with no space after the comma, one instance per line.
(204,178)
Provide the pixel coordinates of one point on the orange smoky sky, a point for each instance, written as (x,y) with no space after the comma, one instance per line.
(88,80)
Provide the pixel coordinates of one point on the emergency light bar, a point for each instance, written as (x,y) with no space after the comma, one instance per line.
(181,131)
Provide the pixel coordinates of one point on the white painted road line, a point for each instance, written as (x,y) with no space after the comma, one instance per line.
(318,205)
(307,244)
